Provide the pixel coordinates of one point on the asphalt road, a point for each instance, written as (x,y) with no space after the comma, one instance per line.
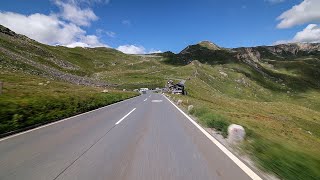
(144,138)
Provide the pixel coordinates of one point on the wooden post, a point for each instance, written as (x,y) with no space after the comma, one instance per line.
(1,84)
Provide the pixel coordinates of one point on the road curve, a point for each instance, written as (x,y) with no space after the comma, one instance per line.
(144,138)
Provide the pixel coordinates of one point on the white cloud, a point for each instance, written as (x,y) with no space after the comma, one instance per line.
(73,13)
(132,49)
(305,12)
(63,28)
(89,2)
(43,28)
(275,1)
(92,41)
(77,44)
(311,34)
(47,29)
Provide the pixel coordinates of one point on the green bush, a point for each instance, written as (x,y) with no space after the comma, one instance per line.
(211,120)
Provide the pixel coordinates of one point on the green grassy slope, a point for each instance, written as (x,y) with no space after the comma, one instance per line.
(283,124)
(27,100)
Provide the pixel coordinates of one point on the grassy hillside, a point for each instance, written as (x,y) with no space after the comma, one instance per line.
(274,92)
(282,123)
(28,100)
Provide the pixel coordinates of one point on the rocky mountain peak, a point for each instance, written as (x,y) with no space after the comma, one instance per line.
(209,45)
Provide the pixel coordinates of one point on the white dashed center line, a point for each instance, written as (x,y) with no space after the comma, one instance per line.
(125,116)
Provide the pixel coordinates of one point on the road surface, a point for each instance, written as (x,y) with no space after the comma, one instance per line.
(144,138)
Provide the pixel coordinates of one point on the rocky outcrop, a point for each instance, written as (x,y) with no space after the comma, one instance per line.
(248,53)
(281,51)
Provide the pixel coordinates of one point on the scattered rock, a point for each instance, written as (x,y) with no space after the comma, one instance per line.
(223,74)
(309,132)
(190,107)
(40,84)
(105,91)
(236,133)
(179,102)
(242,81)
(124,90)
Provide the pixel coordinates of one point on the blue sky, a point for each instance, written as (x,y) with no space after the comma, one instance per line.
(143,26)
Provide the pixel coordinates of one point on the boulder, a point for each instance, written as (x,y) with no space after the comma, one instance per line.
(236,133)
(105,91)
(190,107)
(179,102)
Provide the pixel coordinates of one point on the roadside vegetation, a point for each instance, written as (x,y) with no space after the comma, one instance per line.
(28,100)
(282,128)
(211,120)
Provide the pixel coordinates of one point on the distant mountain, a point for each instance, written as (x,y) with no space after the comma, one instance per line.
(279,52)
(85,65)
(301,58)
(201,45)
(208,52)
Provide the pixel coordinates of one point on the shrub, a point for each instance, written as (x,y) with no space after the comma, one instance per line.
(211,120)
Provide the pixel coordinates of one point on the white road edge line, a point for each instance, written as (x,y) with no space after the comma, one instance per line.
(236,160)
(59,121)
(145,99)
(125,116)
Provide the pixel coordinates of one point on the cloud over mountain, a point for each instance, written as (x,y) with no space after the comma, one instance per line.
(63,28)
